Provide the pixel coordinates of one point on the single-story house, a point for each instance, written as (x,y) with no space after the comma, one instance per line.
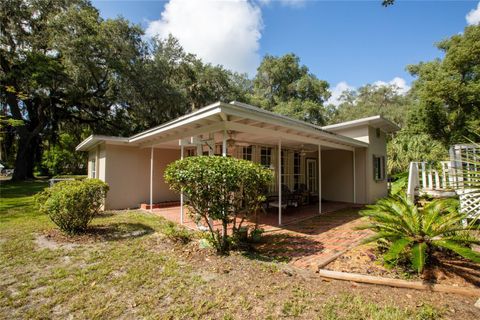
(343,162)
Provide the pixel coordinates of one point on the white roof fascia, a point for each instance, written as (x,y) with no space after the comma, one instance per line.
(188,118)
(93,140)
(295,124)
(388,125)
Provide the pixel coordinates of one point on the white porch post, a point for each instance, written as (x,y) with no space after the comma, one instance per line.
(181,194)
(354,179)
(151,179)
(224,144)
(279,182)
(319,179)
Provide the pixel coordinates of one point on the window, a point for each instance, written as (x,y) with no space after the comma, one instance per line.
(93,169)
(266,156)
(378,168)
(190,152)
(247,153)
(284,165)
(296,169)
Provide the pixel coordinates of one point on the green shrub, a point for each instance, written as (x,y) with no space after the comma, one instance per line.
(72,204)
(219,188)
(416,232)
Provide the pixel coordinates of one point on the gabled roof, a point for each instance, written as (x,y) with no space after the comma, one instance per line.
(375,121)
(234,116)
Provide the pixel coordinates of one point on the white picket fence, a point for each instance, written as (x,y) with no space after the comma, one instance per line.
(448,178)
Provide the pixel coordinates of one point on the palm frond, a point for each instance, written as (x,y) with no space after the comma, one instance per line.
(419,251)
(396,248)
(459,249)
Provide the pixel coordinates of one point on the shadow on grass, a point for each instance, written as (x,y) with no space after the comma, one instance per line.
(119,231)
(99,233)
(10,189)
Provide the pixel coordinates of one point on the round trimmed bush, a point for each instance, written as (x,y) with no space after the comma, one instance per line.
(72,204)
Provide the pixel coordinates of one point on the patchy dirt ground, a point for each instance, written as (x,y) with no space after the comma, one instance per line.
(448,270)
(126,267)
(243,285)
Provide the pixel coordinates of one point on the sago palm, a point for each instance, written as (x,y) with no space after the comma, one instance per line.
(418,231)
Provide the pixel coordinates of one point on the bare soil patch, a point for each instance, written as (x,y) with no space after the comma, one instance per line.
(446,269)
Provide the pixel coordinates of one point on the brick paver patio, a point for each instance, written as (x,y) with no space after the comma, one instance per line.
(312,243)
(308,240)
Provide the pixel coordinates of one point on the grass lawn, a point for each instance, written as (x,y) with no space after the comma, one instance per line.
(127,268)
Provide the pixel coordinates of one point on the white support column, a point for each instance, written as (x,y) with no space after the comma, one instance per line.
(279,170)
(151,179)
(354,179)
(319,179)
(224,144)
(181,194)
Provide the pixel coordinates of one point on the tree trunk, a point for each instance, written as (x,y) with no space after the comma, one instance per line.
(25,160)
(224,236)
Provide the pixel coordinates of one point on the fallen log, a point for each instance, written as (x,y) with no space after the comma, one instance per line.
(355,277)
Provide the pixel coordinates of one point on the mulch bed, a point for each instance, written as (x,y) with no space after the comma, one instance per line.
(446,270)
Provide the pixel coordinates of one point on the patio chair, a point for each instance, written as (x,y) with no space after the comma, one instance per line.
(289,198)
(302,192)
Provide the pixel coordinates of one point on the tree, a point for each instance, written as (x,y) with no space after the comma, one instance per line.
(371,100)
(60,62)
(61,158)
(448,89)
(284,86)
(417,232)
(219,188)
(165,82)
(406,147)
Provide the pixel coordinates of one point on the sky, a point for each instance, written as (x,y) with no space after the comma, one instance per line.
(347,43)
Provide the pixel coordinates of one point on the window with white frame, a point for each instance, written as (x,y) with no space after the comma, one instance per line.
(266,156)
(378,168)
(93,168)
(247,153)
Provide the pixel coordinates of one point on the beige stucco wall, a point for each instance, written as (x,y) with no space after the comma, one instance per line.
(337,175)
(360,175)
(367,189)
(128,174)
(358,133)
(377,147)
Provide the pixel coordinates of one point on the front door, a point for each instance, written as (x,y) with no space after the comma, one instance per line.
(312,176)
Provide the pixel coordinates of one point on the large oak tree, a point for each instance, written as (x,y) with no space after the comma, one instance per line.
(60,62)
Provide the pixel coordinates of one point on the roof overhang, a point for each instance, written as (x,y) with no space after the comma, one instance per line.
(93,140)
(375,122)
(248,122)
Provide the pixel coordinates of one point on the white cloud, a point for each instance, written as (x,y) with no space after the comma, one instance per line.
(286,3)
(337,92)
(400,84)
(473,17)
(219,32)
